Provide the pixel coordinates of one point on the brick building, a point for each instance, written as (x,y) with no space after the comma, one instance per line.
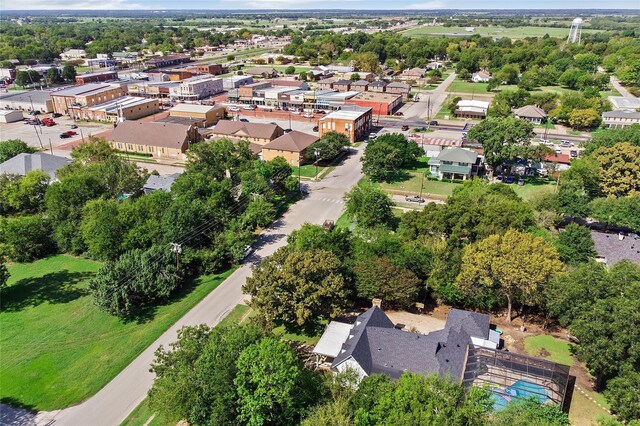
(161,140)
(96,77)
(380,103)
(167,61)
(355,123)
(84,96)
(125,107)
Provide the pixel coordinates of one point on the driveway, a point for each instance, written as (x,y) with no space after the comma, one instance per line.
(620,88)
(113,403)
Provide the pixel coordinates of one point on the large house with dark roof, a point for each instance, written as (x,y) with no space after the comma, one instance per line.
(290,146)
(464,350)
(160,140)
(257,133)
(23,163)
(454,163)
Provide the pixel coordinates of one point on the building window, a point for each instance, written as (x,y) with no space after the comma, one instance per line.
(150,149)
(130,146)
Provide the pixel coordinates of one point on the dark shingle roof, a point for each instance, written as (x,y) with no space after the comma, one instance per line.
(294,141)
(161,183)
(241,129)
(613,249)
(378,347)
(167,135)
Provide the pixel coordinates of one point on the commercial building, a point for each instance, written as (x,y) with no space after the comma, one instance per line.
(151,90)
(38,100)
(620,118)
(354,123)
(264,72)
(342,85)
(167,61)
(84,96)
(126,57)
(10,116)
(380,103)
(96,77)
(119,109)
(205,114)
(290,146)
(72,54)
(213,69)
(257,133)
(236,81)
(471,109)
(160,140)
(195,88)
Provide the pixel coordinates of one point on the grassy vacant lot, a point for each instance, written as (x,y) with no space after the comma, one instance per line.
(307,171)
(518,32)
(550,348)
(57,347)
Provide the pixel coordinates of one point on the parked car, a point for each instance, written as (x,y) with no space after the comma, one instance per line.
(64,136)
(414,199)
(268,110)
(433,123)
(234,108)
(558,151)
(315,128)
(499,179)
(308,115)
(320,111)
(68,134)
(296,112)
(73,126)
(521,182)
(244,120)
(249,107)
(573,154)
(247,252)
(508,179)
(566,144)
(405,127)
(398,114)
(56,115)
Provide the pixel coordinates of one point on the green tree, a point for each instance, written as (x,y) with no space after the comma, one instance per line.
(514,266)
(259,213)
(303,76)
(622,211)
(503,139)
(270,384)
(328,147)
(621,394)
(102,229)
(573,199)
(575,244)
(290,70)
(530,412)
(314,237)
(610,137)
(355,76)
(588,61)
(25,238)
(12,147)
(297,289)
(619,169)
(4,272)
(378,277)
(381,162)
(136,280)
(587,118)
(369,206)
(26,194)
(332,413)
(69,72)
(53,75)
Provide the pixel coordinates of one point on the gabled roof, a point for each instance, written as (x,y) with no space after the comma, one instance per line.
(378,83)
(166,135)
(457,155)
(342,81)
(161,183)
(631,115)
(240,129)
(415,71)
(360,83)
(399,85)
(294,141)
(530,111)
(261,70)
(23,163)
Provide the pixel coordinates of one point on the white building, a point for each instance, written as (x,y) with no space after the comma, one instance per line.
(623,102)
(195,88)
(10,116)
(620,118)
(471,109)
(72,54)
(236,81)
(481,77)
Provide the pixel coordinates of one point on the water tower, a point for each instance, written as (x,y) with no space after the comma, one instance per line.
(575,32)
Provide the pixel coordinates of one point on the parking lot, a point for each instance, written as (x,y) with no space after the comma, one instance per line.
(43,137)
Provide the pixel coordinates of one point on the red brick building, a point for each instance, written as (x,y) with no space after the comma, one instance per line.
(96,77)
(380,103)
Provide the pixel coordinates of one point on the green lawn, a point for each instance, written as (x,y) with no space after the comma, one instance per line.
(550,348)
(307,171)
(57,347)
(494,31)
(534,187)
(461,86)
(299,68)
(141,415)
(343,221)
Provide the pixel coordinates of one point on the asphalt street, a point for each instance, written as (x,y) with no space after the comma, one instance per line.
(113,403)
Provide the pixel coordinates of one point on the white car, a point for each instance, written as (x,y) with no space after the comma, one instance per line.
(296,112)
(308,115)
(249,107)
(247,252)
(234,108)
(566,144)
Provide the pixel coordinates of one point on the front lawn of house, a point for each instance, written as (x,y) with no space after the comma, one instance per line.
(58,348)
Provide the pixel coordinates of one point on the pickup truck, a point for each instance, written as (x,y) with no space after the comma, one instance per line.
(414,199)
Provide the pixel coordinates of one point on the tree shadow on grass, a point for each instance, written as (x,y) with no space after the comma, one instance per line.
(55,287)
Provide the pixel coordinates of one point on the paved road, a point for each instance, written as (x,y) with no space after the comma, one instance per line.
(112,404)
(430,101)
(620,88)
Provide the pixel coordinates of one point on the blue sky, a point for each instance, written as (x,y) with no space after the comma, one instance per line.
(314,4)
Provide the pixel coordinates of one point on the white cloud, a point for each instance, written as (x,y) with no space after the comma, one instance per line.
(436,4)
(70,5)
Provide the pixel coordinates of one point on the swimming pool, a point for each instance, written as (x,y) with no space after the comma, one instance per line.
(518,390)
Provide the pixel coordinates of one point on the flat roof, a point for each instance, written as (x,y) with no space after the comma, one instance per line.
(334,336)
(346,115)
(93,74)
(623,102)
(122,102)
(85,89)
(377,96)
(200,109)
(36,96)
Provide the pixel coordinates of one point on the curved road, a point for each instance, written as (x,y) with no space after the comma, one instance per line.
(113,403)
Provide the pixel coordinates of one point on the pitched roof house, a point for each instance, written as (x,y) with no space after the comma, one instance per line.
(258,133)
(23,163)
(480,77)
(160,183)
(265,72)
(454,163)
(531,113)
(291,146)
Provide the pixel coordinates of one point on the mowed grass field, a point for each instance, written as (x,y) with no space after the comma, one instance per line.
(518,32)
(57,347)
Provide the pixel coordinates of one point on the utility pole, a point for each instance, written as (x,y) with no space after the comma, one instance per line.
(422,184)
(50,146)
(177,249)
(38,135)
